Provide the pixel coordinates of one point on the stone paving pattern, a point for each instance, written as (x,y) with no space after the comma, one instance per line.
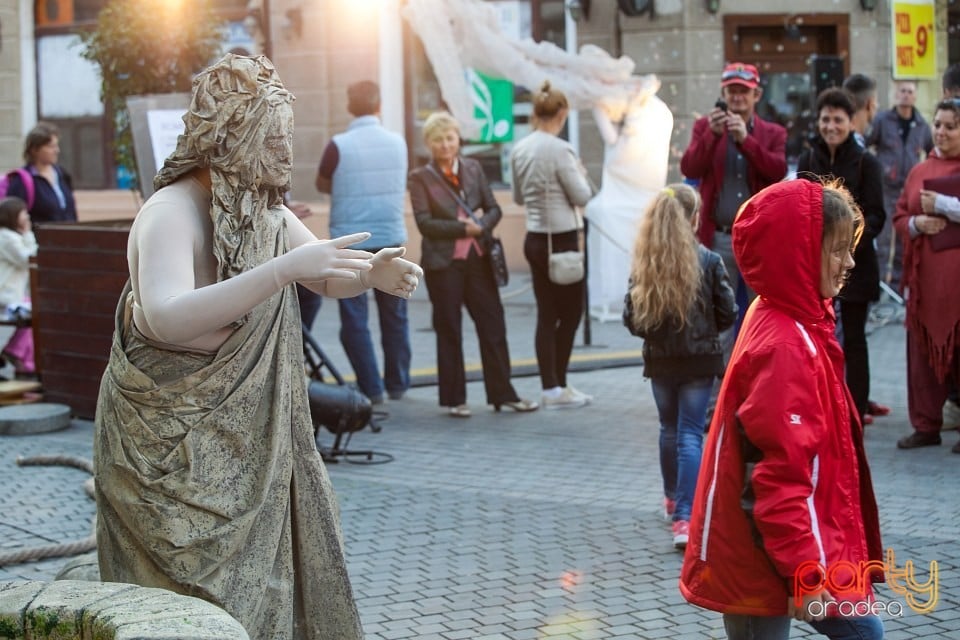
(520,526)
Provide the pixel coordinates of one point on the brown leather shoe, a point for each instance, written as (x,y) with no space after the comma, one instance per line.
(919,439)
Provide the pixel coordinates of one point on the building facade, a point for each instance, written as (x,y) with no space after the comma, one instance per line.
(321,46)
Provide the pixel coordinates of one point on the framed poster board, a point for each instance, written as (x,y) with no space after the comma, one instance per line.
(156,123)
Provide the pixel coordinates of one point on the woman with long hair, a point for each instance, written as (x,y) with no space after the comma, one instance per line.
(551,182)
(679,301)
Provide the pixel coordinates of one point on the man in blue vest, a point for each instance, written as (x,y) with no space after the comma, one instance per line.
(364,169)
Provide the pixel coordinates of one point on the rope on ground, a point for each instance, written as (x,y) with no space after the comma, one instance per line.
(56,550)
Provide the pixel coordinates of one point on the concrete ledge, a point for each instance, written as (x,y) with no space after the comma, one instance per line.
(69,609)
(28,419)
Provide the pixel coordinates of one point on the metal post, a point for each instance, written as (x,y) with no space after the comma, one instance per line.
(587,335)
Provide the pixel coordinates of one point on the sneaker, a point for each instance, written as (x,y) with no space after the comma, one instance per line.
(951,415)
(396,395)
(867,419)
(576,393)
(669,506)
(919,439)
(566,400)
(681,534)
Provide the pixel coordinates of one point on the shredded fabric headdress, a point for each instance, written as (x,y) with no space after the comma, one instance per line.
(233,105)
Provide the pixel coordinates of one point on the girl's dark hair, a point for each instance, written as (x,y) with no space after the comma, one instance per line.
(548,102)
(10,208)
(39,136)
(836,98)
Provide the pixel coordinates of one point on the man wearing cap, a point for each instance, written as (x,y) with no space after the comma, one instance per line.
(734,154)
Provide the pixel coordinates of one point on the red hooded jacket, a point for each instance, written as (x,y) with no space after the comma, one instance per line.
(784,478)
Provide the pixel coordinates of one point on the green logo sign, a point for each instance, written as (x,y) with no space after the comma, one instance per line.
(492,106)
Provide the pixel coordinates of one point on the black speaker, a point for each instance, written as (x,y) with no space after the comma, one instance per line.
(635,7)
(825,72)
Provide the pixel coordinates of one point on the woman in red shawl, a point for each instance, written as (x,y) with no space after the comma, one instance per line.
(928,220)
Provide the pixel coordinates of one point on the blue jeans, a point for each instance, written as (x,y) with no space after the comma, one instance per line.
(682,405)
(778,627)
(394,338)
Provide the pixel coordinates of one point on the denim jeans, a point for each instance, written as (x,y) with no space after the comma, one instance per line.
(778,627)
(682,405)
(394,337)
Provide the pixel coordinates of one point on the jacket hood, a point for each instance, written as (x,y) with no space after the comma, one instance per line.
(777,241)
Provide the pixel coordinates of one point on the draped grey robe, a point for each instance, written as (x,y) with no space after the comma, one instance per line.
(208,480)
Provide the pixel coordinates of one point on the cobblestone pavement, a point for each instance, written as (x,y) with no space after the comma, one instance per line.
(511,526)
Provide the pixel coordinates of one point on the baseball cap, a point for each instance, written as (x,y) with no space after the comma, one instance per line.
(740,73)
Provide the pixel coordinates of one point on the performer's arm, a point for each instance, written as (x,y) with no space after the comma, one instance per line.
(388,271)
(178,313)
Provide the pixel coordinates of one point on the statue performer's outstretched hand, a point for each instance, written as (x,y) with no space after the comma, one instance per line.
(323,259)
(392,274)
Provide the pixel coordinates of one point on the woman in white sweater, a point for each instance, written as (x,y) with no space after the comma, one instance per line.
(550,181)
(17,246)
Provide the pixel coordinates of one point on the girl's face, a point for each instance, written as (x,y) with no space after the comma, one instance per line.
(836,261)
(23,220)
(834,125)
(946,132)
(444,146)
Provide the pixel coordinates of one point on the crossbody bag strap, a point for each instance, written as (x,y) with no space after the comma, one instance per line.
(576,227)
(460,201)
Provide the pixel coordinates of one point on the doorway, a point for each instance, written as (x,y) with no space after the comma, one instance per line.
(784,47)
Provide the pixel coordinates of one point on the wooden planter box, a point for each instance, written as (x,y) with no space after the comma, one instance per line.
(79,274)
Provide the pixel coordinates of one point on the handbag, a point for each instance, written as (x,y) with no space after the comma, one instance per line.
(498,261)
(492,245)
(564,267)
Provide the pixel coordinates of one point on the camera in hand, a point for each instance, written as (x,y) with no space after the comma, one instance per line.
(721,104)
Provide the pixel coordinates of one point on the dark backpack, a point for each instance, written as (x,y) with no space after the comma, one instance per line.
(27,181)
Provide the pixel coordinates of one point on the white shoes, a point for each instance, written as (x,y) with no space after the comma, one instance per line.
(580,394)
(568,399)
(951,416)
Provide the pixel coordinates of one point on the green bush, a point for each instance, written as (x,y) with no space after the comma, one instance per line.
(147,47)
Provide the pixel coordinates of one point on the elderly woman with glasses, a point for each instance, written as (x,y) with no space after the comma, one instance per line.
(456,212)
(928,221)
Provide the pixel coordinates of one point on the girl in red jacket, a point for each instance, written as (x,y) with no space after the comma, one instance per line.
(784,496)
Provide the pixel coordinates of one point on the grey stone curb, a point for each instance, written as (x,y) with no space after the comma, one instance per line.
(69,609)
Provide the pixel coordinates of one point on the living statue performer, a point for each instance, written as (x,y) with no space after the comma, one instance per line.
(208,479)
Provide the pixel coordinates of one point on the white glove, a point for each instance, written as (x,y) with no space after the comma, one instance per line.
(322,259)
(392,274)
